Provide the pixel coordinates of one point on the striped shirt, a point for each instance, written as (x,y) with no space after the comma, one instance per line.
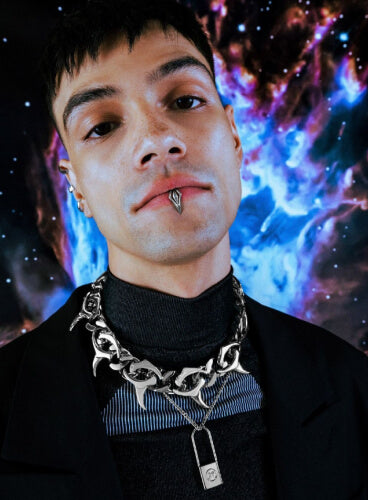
(123,415)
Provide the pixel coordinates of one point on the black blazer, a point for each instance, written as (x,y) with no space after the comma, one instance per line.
(54,446)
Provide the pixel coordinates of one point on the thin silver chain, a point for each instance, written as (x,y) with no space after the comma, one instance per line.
(208,412)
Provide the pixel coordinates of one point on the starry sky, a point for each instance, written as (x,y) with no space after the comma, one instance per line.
(296,73)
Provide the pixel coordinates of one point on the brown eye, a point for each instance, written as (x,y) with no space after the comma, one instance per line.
(187,102)
(102,129)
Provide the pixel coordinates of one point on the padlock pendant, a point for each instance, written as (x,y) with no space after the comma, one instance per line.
(210,473)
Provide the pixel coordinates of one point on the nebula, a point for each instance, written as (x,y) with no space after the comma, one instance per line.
(296,76)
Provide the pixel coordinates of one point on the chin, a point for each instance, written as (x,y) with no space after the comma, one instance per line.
(180,248)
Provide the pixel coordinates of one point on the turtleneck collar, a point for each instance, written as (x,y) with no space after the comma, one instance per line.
(165,329)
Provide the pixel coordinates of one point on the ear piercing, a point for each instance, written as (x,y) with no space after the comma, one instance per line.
(80,206)
(175,198)
(62,170)
(71,188)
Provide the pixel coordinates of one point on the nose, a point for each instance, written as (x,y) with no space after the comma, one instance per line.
(158,145)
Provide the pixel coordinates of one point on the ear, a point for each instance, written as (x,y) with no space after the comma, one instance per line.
(67,168)
(229,110)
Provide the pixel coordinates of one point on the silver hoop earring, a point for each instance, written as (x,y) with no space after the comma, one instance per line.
(80,206)
(62,170)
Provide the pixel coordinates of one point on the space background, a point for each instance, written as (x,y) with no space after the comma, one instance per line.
(296,73)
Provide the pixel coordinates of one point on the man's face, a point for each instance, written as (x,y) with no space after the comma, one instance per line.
(136,127)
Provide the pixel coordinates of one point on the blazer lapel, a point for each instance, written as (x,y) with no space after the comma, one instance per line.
(55,420)
(298,392)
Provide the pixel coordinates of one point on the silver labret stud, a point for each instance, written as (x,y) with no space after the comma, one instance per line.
(175,198)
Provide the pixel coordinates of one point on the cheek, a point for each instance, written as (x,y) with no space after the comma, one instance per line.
(217,151)
(216,137)
(227,162)
(95,174)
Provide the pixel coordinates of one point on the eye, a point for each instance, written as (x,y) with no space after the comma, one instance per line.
(101,129)
(188,102)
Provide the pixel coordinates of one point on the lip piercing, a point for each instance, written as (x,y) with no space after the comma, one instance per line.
(175,198)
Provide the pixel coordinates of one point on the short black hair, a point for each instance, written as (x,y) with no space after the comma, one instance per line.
(83,31)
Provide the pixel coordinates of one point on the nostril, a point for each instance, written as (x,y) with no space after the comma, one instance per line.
(174,150)
(148,157)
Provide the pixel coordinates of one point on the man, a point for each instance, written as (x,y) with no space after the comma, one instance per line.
(161,380)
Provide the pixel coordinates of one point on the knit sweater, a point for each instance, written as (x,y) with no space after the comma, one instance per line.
(153,448)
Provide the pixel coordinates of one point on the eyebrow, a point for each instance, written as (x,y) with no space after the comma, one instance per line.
(97,93)
(174,66)
(86,96)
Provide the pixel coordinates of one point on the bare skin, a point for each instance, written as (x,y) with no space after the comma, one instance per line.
(153,130)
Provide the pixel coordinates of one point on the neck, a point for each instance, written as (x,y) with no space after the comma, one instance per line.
(184,279)
(166,329)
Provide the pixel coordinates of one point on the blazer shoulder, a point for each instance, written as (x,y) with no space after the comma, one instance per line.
(46,338)
(13,351)
(335,349)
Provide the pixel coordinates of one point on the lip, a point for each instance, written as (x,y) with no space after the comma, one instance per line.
(165,185)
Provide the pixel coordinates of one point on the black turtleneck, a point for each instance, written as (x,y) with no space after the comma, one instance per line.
(170,331)
(174,332)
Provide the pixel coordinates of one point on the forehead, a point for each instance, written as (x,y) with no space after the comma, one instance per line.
(118,64)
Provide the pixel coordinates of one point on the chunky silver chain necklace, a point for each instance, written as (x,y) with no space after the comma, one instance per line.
(189,382)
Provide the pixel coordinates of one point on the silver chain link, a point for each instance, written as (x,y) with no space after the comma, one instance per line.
(208,412)
(143,374)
